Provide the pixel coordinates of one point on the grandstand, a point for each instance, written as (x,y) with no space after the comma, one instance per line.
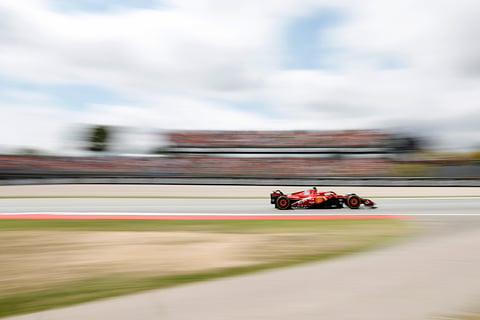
(285,143)
(254,154)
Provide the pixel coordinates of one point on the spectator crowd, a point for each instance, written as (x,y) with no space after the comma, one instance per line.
(196,166)
(276,139)
(207,163)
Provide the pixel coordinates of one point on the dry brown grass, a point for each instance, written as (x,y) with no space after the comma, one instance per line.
(45,264)
(34,259)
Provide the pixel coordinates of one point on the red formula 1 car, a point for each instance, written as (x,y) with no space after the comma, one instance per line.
(311,198)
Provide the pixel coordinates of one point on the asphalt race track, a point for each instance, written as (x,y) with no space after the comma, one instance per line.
(386,206)
(425,277)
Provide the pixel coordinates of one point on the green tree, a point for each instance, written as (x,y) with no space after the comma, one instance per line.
(99,138)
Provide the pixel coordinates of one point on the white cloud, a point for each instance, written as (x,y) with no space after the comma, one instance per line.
(400,63)
(38,128)
(172,48)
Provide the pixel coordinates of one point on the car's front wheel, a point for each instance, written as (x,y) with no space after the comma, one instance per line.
(353,201)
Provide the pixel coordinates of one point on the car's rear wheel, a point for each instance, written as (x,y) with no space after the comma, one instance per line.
(283,203)
(353,201)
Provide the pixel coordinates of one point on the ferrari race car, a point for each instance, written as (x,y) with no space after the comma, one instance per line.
(311,198)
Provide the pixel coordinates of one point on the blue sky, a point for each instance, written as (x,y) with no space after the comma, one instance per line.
(95,6)
(305,39)
(66,95)
(221,64)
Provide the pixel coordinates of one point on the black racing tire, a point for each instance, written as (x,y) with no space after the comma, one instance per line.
(283,203)
(353,201)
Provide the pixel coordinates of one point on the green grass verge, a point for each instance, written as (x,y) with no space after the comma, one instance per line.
(93,288)
(247,226)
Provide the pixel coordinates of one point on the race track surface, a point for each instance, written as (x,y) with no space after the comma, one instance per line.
(425,277)
(386,206)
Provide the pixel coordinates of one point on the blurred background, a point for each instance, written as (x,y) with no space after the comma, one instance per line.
(244,154)
(210,88)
